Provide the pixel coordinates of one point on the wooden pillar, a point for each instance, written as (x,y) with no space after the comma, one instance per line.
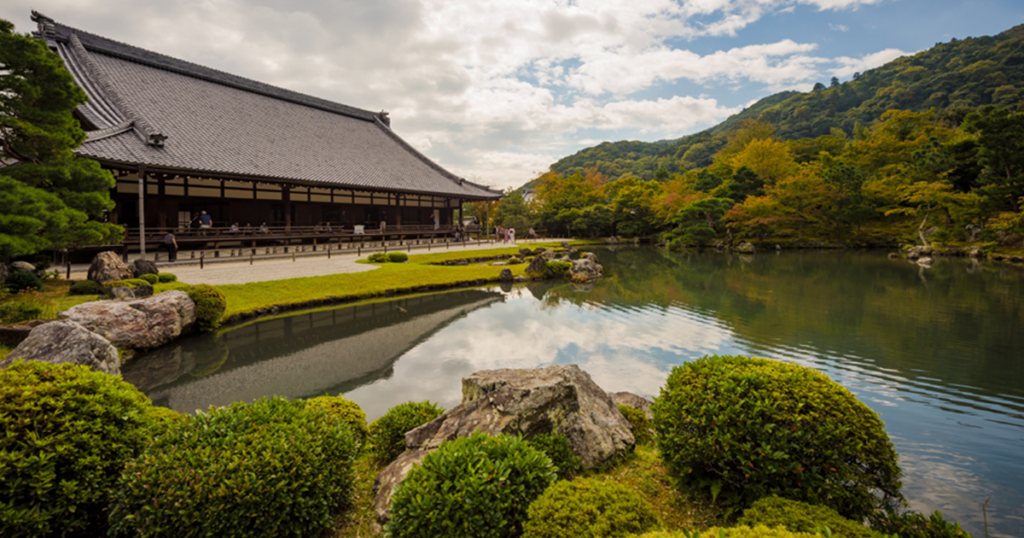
(487,220)
(142,212)
(286,195)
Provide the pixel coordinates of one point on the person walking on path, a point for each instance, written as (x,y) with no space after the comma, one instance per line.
(533,234)
(512,235)
(172,246)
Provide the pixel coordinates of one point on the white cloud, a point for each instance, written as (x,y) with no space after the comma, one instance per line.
(839,27)
(490,88)
(848,66)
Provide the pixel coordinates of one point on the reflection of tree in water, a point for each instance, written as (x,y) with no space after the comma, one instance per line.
(209,362)
(856,303)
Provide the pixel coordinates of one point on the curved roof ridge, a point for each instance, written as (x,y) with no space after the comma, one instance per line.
(109,94)
(59,32)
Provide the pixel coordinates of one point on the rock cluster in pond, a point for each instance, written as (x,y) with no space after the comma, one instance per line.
(108,267)
(60,342)
(139,323)
(558,398)
(586,269)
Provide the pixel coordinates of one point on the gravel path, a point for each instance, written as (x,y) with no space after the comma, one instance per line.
(241,272)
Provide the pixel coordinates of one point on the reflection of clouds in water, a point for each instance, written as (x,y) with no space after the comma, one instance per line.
(621,352)
(940,478)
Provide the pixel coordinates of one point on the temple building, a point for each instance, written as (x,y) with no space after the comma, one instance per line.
(182,139)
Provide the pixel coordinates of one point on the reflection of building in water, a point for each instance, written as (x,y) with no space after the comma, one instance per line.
(298,356)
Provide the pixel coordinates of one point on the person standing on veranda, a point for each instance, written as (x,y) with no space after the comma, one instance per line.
(171,243)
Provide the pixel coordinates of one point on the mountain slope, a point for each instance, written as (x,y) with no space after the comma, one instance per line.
(954,78)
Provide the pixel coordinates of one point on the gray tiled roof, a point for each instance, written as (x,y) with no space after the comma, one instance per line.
(217,123)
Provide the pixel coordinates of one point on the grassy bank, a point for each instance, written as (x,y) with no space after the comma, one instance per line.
(244,299)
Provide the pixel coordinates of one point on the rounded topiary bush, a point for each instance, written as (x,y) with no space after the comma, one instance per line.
(744,428)
(556,269)
(167,277)
(270,468)
(742,531)
(638,424)
(164,419)
(150,277)
(210,305)
(398,257)
(343,409)
(386,435)
(378,257)
(69,432)
(588,507)
(477,486)
(797,516)
(86,287)
(23,281)
(129,283)
(556,447)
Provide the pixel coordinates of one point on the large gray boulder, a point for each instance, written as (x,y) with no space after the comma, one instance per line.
(536,264)
(558,398)
(22,267)
(746,248)
(108,267)
(144,267)
(505,275)
(635,401)
(60,342)
(139,323)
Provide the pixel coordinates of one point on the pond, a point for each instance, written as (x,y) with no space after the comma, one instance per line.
(938,352)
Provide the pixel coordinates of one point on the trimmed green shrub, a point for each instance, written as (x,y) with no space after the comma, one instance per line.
(476,486)
(210,305)
(742,428)
(638,424)
(164,419)
(86,287)
(342,409)
(23,281)
(556,269)
(797,516)
(378,257)
(398,257)
(514,260)
(915,525)
(556,446)
(386,435)
(130,283)
(167,277)
(588,507)
(759,531)
(69,433)
(150,277)
(18,311)
(270,468)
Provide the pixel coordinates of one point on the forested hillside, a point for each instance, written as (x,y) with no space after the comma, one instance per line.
(926,149)
(954,78)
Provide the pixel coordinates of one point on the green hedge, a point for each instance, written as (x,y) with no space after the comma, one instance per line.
(342,409)
(638,424)
(589,508)
(759,531)
(378,257)
(270,468)
(477,486)
(386,435)
(744,428)
(398,257)
(167,277)
(210,305)
(69,432)
(23,281)
(86,287)
(556,447)
(18,311)
(797,516)
(129,283)
(150,277)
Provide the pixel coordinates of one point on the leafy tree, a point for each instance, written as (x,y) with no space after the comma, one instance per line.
(695,224)
(514,211)
(846,202)
(50,193)
(769,159)
(1000,151)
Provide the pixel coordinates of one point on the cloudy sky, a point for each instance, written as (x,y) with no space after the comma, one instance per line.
(497,90)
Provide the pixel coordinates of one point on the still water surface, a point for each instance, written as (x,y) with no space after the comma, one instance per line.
(939,352)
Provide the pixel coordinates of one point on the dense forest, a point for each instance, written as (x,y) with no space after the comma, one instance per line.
(927,148)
